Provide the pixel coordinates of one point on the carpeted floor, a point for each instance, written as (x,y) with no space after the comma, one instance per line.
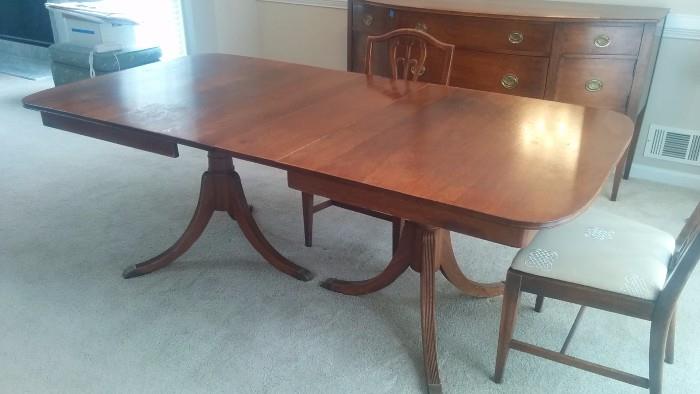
(23,67)
(75,211)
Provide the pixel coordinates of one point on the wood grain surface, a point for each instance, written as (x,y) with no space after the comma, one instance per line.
(511,160)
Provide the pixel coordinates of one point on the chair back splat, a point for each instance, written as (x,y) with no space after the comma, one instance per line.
(408,51)
(682,264)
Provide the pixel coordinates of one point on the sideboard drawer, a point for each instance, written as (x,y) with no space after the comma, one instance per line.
(584,38)
(602,83)
(371,19)
(493,35)
(510,74)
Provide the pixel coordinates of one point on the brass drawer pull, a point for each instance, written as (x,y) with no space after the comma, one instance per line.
(594,85)
(509,81)
(602,41)
(422,27)
(420,72)
(367,20)
(515,37)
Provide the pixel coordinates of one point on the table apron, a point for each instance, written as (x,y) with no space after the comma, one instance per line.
(409,208)
(131,138)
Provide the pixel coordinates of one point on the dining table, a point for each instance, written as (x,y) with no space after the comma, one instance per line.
(443,159)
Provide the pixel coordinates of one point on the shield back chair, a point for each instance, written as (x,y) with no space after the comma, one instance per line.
(606,262)
(410,54)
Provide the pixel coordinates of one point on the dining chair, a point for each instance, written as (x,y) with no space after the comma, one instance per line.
(407,54)
(606,262)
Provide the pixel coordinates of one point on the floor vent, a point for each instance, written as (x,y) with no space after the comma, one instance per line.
(668,143)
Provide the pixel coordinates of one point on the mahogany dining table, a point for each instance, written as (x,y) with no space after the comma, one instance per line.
(443,159)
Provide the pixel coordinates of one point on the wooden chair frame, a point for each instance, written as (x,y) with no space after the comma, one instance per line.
(405,65)
(661,312)
(403,46)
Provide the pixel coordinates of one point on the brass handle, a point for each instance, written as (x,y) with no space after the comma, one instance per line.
(594,85)
(515,37)
(368,20)
(421,26)
(509,81)
(602,41)
(420,72)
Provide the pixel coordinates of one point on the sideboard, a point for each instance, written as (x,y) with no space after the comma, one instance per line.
(592,55)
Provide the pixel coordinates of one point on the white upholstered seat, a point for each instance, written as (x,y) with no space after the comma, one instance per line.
(603,251)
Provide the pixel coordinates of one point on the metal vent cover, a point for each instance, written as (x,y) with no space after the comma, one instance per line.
(673,144)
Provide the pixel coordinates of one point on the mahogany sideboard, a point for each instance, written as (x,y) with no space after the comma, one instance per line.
(593,55)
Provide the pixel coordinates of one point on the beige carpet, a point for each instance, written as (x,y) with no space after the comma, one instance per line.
(75,211)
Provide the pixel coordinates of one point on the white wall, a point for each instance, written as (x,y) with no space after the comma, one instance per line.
(317,36)
(303,34)
(676,6)
(674,99)
(200,26)
(226,26)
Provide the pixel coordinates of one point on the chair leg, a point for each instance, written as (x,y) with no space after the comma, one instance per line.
(617,178)
(538,303)
(670,340)
(511,296)
(572,331)
(395,234)
(657,350)
(307,210)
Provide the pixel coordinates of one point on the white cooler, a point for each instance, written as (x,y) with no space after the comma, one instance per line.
(86,26)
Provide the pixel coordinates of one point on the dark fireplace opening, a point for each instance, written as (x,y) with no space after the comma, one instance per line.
(25,21)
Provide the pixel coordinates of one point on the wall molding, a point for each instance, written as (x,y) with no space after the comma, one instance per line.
(682,26)
(340,4)
(663,175)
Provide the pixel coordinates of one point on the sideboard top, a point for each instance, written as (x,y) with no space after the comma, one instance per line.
(539,9)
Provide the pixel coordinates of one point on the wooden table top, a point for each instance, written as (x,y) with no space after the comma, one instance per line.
(518,161)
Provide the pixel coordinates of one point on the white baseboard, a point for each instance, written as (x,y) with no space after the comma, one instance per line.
(663,175)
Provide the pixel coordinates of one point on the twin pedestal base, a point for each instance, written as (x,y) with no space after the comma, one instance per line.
(221,191)
(425,249)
